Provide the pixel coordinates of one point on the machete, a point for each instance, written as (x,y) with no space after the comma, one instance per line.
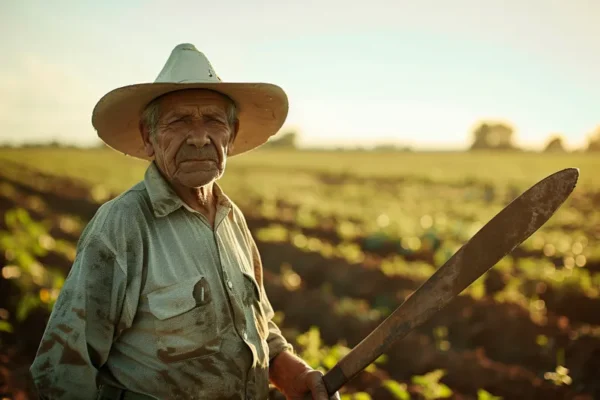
(499,237)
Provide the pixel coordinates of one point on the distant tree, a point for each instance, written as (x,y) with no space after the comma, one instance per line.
(287,139)
(555,145)
(594,140)
(494,136)
(391,147)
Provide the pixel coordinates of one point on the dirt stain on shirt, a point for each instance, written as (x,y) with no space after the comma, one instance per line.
(79,311)
(65,328)
(69,355)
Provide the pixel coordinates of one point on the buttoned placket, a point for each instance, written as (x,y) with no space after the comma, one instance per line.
(222,213)
(226,267)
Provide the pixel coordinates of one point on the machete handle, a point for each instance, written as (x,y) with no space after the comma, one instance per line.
(334,379)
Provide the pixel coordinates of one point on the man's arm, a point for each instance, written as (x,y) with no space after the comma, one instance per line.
(288,372)
(82,325)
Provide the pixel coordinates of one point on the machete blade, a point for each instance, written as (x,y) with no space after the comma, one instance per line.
(500,236)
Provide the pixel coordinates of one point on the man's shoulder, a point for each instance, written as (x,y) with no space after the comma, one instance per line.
(238,215)
(235,208)
(136,195)
(124,211)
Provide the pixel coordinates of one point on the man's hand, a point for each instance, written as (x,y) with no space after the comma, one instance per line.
(312,386)
(296,380)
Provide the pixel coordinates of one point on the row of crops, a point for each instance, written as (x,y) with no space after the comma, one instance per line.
(340,253)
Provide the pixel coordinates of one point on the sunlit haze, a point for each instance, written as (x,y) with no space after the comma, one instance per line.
(414,73)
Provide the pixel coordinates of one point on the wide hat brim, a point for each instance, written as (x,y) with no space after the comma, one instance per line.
(262,110)
(262,107)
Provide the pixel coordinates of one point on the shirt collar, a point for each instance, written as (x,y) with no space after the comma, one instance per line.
(163,198)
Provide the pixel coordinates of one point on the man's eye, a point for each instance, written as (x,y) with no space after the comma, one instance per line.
(179,120)
(213,120)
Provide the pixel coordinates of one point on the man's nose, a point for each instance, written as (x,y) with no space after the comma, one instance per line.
(198,139)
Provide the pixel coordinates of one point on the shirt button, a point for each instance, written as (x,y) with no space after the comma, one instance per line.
(230,284)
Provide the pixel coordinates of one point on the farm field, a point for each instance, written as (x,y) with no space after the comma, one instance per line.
(345,237)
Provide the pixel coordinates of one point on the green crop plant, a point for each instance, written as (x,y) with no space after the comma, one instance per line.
(430,386)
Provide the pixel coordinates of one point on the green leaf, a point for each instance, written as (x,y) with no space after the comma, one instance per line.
(443,391)
(485,395)
(382,359)
(58,281)
(329,361)
(397,389)
(23,216)
(27,304)
(11,219)
(560,356)
(5,326)
(436,375)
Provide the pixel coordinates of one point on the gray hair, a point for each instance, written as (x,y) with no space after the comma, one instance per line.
(151,114)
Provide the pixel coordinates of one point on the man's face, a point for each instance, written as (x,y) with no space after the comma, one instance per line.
(192,137)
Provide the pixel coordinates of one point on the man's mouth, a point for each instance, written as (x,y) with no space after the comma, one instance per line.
(193,160)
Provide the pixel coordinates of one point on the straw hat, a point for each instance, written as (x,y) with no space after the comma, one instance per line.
(262,107)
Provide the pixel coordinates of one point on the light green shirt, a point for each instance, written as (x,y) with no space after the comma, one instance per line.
(159,303)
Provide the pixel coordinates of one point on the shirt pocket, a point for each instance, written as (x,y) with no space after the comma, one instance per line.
(185,320)
(252,301)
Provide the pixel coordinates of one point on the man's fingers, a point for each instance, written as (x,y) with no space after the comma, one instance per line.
(317,386)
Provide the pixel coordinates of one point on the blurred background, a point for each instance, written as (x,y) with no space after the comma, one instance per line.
(410,126)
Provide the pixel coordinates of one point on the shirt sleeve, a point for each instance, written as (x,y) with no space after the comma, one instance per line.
(275,340)
(85,320)
(277,343)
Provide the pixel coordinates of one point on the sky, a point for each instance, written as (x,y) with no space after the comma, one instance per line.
(421,74)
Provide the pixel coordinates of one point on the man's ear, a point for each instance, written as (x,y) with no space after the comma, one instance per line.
(236,128)
(147,140)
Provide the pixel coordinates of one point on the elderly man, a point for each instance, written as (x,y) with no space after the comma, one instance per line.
(165,299)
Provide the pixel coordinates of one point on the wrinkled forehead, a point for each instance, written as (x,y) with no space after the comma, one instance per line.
(194,101)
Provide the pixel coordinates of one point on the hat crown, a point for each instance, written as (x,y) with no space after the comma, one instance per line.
(262,107)
(187,65)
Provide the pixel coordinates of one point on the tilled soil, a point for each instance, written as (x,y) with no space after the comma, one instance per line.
(490,345)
